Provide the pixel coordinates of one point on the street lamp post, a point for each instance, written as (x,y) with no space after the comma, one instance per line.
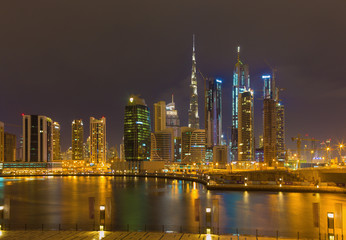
(340,148)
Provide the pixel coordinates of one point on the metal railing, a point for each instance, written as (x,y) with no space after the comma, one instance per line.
(236,232)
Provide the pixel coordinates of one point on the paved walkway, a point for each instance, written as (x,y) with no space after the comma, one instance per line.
(94,235)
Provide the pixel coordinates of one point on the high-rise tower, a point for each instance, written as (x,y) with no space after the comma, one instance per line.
(193,111)
(172,121)
(77,139)
(159,116)
(269,119)
(2,142)
(241,81)
(10,147)
(280,135)
(98,140)
(137,133)
(213,116)
(56,141)
(37,138)
(246,140)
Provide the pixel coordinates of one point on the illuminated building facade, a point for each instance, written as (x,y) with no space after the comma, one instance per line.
(137,133)
(159,116)
(192,145)
(220,156)
(173,122)
(269,120)
(246,139)
(56,141)
(241,81)
(2,142)
(98,140)
(162,146)
(213,116)
(193,111)
(37,138)
(122,152)
(280,132)
(77,139)
(172,118)
(10,147)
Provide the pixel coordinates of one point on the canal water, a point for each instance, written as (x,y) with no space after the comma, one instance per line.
(156,204)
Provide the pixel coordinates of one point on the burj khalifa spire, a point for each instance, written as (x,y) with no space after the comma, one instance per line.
(193,111)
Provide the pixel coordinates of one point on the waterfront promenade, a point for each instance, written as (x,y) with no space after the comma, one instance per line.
(211,183)
(94,235)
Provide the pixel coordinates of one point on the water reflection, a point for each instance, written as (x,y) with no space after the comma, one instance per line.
(154,201)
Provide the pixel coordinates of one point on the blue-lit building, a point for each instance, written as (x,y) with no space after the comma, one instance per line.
(137,133)
(241,81)
(213,116)
(269,119)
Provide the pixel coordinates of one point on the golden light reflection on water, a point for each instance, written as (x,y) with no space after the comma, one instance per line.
(162,201)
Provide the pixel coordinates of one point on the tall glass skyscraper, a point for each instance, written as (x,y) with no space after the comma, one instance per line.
(98,140)
(193,111)
(56,141)
(269,119)
(246,139)
(137,133)
(37,138)
(77,139)
(241,82)
(213,116)
(173,121)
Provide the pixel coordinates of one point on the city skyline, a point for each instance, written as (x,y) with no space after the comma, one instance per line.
(64,71)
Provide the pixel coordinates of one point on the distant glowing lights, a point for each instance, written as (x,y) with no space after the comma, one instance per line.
(265,76)
(218,80)
(131,100)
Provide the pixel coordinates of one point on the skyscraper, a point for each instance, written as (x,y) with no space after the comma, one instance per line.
(192,145)
(159,116)
(2,142)
(246,139)
(213,116)
(173,121)
(10,147)
(37,138)
(162,145)
(193,111)
(172,118)
(137,133)
(280,133)
(269,119)
(241,81)
(98,140)
(77,139)
(56,141)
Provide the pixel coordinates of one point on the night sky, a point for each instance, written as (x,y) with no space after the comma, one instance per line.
(75,59)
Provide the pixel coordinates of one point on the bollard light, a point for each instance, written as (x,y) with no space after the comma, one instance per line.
(208,231)
(102,208)
(208,210)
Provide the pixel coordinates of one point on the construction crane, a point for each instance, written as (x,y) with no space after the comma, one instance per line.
(299,140)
